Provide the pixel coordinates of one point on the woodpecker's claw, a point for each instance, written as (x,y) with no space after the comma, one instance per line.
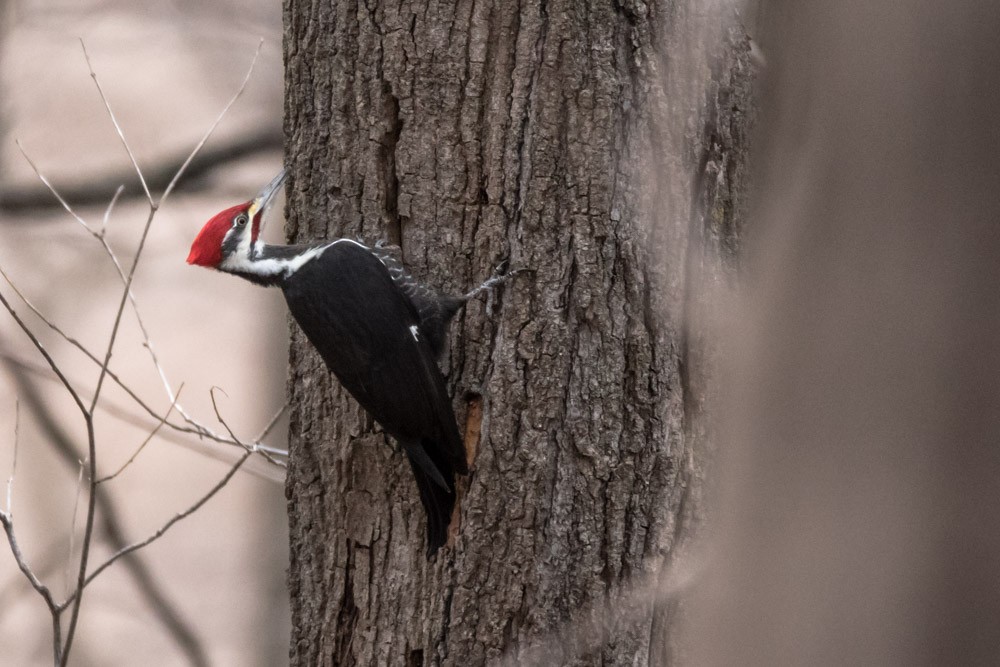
(504,272)
(501,274)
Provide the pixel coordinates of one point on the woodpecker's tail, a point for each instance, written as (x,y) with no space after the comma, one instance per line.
(435,478)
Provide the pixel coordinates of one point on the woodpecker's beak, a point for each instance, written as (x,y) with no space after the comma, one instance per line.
(263,201)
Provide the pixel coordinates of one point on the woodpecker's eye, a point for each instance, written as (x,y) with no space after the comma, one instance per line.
(241,219)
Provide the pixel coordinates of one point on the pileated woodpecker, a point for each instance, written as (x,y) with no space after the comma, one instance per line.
(378,330)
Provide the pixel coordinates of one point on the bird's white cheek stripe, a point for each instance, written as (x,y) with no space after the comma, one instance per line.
(415,332)
(241,263)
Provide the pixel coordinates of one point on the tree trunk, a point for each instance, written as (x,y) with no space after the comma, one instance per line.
(581,139)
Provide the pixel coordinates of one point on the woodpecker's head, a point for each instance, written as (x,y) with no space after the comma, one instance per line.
(228,240)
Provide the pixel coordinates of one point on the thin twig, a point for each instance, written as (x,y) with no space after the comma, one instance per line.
(251,449)
(88,530)
(52,189)
(107,211)
(13,465)
(8,525)
(19,202)
(133,419)
(222,114)
(100,237)
(153,207)
(165,527)
(173,184)
(152,434)
(121,307)
(118,129)
(72,525)
(267,429)
(149,585)
(195,427)
(147,342)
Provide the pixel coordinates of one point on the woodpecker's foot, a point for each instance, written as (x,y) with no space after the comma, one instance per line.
(501,274)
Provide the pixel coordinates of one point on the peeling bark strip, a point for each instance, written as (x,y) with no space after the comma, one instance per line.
(565,135)
(473,426)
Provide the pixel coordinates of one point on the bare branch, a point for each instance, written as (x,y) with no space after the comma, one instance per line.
(88,530)
(100,237)
(163,529)
(121,135)
(149,585)
(147,342)
(73,602)
(121,307)
(199,428)
(196,427)
(152,434)
(92,444)
(215,406)
(136,420)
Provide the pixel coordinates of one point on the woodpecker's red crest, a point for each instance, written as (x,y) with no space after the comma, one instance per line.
(208,247)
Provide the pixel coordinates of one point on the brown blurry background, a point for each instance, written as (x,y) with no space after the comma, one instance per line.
(858,518)
(168,68)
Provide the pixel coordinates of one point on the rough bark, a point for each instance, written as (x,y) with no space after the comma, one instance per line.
(568,136)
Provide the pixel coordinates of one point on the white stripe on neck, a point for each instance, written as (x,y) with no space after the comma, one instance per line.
(241,261)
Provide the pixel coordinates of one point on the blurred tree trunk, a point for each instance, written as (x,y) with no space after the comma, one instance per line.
(862,472)
(574,137)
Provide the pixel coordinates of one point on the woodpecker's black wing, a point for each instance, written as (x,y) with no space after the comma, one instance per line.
(368,333)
